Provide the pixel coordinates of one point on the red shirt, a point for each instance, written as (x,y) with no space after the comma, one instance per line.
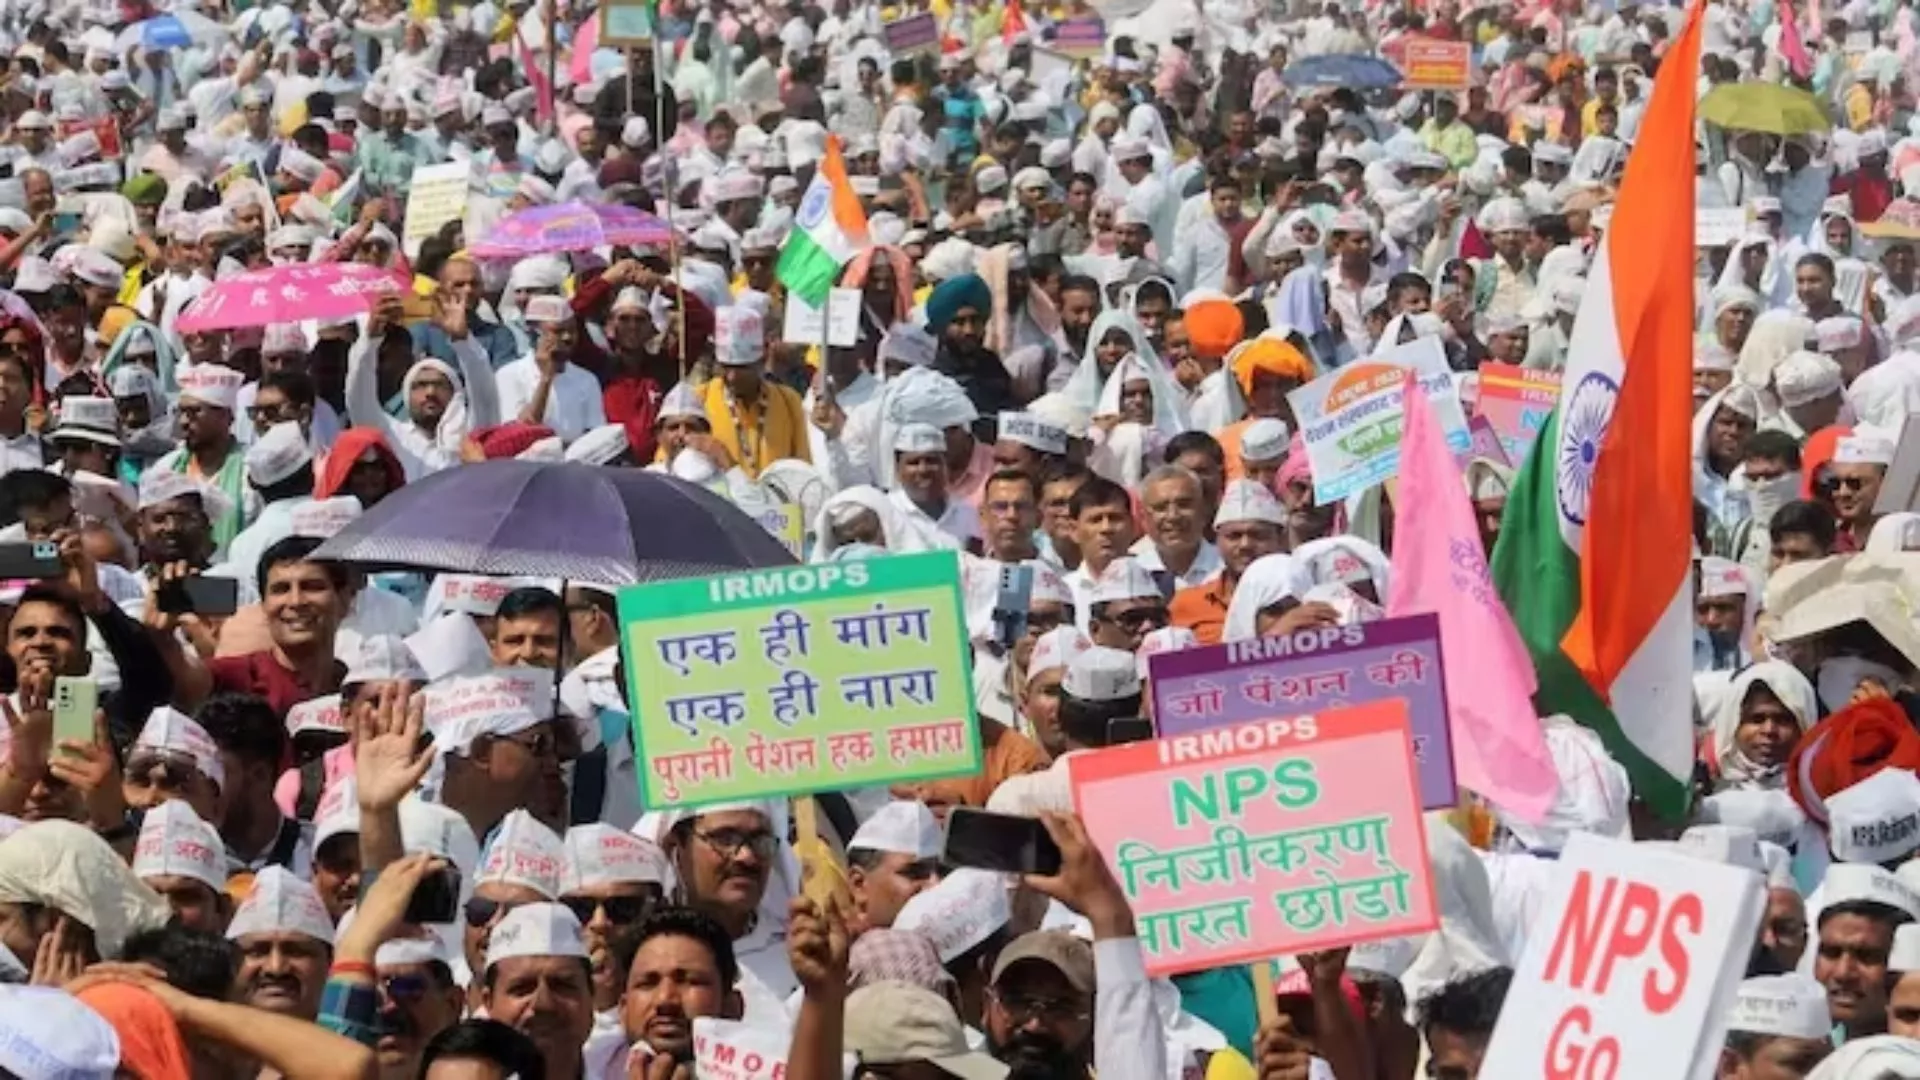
(1869,195)
(259,673)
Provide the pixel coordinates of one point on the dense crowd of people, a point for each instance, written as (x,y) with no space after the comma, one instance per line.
(365,821)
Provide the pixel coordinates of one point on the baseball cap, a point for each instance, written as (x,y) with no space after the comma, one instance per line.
(1057,949)
(891,1023)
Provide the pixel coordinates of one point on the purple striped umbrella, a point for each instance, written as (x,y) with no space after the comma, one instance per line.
(571,226)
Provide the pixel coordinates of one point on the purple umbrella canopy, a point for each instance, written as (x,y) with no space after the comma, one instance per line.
(570,226)
(608,526)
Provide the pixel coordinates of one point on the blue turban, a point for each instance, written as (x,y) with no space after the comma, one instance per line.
(965,291)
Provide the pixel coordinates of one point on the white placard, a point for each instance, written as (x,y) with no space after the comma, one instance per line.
(736,1050)
(1717,226)
(804,322)
(1631,968)
(437,195)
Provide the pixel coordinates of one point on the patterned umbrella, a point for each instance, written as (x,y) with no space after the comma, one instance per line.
(609,526)
(1901,221)
(282,294)
(572,226)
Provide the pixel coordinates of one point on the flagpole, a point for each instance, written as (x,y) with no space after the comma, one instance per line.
(553,55)
(667,181)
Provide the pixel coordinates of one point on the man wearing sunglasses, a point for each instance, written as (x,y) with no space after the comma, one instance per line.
(1860,462)
(507,755)
(1124,604)
(610,881)
(521,867)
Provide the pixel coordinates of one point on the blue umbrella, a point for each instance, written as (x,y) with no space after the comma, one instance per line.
(1352,69)
(609,526)
(175,30)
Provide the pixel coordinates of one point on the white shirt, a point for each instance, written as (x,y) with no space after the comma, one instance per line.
(573,405)
(959,520)
(273,524)
(1207,563)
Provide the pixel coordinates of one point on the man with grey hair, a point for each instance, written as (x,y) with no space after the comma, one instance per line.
(1176,545)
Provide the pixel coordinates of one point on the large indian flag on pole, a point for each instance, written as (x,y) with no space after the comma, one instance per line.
(829,230)
(1594,557)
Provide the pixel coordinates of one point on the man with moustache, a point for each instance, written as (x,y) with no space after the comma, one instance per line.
(679,966)
(610,880)
(539,982)
(723,856)
(286,942)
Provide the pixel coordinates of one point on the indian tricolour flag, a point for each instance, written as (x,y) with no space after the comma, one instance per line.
(829,230)
(1594,557)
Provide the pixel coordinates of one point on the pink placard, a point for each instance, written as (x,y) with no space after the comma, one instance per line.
(1264,839)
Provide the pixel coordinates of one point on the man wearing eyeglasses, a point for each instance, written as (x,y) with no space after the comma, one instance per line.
(1175,501)
(723,857)
(521,866)
(391,986)
(507,756)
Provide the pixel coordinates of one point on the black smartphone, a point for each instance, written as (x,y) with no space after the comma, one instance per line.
(199,595)
(436,900)
(30,559)
(1128,729)
(1002,842)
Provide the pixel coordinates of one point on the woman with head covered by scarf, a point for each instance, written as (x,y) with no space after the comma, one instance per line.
(1023,328)
(1720,431)
(1139,411)
(1266,370)
(1756,723)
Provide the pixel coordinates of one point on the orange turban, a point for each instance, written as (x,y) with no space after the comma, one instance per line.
(151,1047)
(1848,747)
(1274,355)
(1214,327)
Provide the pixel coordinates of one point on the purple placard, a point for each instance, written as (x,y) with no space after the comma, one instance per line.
(1310,670)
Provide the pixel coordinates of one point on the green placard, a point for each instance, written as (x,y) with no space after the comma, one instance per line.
(780,682)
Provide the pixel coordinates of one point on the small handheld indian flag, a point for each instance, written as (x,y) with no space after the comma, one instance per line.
(829,230)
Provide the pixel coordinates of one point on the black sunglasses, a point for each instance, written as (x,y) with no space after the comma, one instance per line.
(621,910)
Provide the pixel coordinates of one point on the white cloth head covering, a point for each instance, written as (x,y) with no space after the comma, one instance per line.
(541,929)
(1268,580)
(598,854)
(67,867)
(1882,1057)
(1593,791)
(524,852)
(1792,1005)
(901,827)
(176,842)
(1783,681)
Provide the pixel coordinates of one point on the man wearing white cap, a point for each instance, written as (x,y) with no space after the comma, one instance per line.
(1862,905)
(1124,603)
(920,488)
(285,938)
(522,866)
(610,880)
(1101,685)
(1250,524)
(543,387)
(280,470)
(756,419)
(1028,443)
(1778,1028)
(503,750)
(538,982)
(180,856)
(893,856)
(1903,969)
(208,452)
(174,758)
(1860,462)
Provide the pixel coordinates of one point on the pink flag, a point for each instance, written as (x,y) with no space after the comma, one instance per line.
(1438,566)
(1791,48)
(585,40)
(537,76)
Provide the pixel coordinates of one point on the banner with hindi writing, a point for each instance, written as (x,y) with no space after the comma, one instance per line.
(770,683)
(1350,419)
(1217,686)
(1281,836)
(1516,401)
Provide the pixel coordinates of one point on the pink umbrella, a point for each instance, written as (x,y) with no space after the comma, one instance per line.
(570,226)
(283,294)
